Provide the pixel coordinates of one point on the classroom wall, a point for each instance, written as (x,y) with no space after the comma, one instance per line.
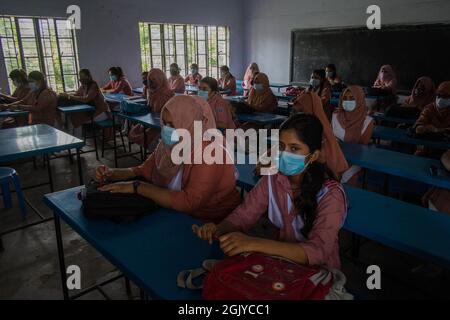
(268,24)
(109,29)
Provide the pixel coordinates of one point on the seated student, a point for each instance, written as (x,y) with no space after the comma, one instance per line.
(331,155)
(118,83)
(194,77)
(41,102)
(438,199)
(250,73)
(158,94)
(20,82)
(386,80)
(176,81)
(435,117)
(352,125)
(88,93)
(205,191)
(261,97)
(227,81)
(22,89)
(303,200)
(320,85)
(144,84)
(423,93)
(222,110)
(332,77)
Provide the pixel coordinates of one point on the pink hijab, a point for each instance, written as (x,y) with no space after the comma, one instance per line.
(353,122)
(331,154)
(387,78)
(161,93)
(184,110)
(248,77)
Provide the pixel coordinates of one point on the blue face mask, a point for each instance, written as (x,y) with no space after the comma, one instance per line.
(34,86)
(291,164)
(113,77)
(203,94)
(169,136)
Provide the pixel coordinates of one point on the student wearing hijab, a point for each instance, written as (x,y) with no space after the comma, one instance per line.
(352,125)
(88,93)
(261,97)
(205,191)
(386,80)
(303,200)
(22,89)
(20,82)
(158,94)
(176,81)
(194,77)
(423,93)
(331,153)
(117,83)
(40,102)
(438,199)
(250,73)
(227,81)
(222,110)
(320,85)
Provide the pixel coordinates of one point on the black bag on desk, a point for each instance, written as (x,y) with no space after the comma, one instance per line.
(119,207)
(403,112)
(242,107)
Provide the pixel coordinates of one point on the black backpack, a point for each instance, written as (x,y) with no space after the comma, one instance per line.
(119,207)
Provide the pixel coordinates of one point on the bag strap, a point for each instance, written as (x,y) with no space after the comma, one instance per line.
(185,277)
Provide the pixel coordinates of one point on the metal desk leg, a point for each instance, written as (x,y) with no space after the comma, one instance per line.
(62,263)
(80,170)
(94,136)
(49,170)
(114,139)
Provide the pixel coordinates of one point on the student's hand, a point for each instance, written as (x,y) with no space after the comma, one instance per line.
(205,232)
(103,173)
(118,187)
(235,243)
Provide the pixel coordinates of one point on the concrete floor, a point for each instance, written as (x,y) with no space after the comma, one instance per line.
(29,265)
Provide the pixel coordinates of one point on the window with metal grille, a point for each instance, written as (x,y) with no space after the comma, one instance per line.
(163,44)
(44,44)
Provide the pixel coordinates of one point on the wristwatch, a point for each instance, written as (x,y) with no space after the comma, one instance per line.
(136,185)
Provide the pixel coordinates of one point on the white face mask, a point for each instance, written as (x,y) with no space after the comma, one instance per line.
(259,87)
(349,105)
(442,103)
(330,74)
(314,83)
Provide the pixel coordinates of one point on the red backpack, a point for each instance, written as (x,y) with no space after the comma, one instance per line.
(257,276)
(293,91)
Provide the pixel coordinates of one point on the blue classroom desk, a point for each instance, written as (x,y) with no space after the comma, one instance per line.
(150,120)
(381,117)
(150,252)
(191,88)
(13,114)
(400,135)
(115,97)
(279,86)
(139,90)
(281,96)
(261,118)
(394,163)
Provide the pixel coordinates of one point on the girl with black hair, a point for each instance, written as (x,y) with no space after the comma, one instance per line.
(117,83)
(303,200)
(20,81)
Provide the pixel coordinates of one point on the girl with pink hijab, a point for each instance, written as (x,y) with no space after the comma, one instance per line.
(331,153)
(352,125)
(423,93)
(250,73)
(205,191)
(176,81)
(209,90)
(386,80)
(261,97)
(158,94)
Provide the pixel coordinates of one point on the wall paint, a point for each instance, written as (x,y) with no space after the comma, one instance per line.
(268,24)
(109,33)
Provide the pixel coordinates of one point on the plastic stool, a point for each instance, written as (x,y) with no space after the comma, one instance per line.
(8,175)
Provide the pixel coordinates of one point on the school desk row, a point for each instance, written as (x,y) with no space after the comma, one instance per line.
(153,250)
